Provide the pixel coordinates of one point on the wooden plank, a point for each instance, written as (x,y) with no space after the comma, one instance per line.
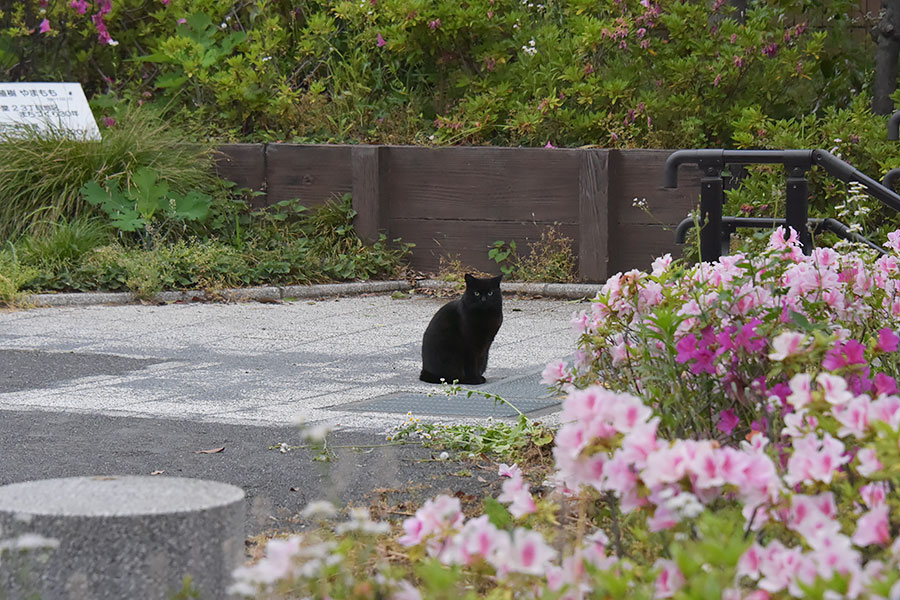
(311,173)
(245,165)
(533,184)
(638,245)
(593,212)
(370,219)
(640,177)
(467,241)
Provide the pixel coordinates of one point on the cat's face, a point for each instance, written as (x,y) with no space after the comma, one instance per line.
(483,293)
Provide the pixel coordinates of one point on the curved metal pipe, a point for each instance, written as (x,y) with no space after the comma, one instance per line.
(682,229)
(893,126)
(718,157)
(891,177)
(848,173)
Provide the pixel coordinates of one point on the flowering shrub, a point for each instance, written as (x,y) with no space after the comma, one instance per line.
(657,497)
(807,517)
(716,348)
(621,73)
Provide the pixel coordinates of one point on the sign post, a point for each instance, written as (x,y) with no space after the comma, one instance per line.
(46,108)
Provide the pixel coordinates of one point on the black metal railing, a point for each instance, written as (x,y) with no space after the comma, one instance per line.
(797,163)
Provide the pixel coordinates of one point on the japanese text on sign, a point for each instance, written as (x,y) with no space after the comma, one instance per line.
(46,107)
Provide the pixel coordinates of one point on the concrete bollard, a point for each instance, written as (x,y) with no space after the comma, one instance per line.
(121,537)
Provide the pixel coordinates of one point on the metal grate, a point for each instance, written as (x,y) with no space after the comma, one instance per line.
(525,392)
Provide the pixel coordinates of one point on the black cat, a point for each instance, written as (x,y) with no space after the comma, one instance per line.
(456,342)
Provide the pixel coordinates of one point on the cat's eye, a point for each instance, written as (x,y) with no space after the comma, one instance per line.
(477,294)
(491,293)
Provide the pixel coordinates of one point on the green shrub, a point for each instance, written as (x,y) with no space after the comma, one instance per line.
(620,73)
(852,133)
(41,175)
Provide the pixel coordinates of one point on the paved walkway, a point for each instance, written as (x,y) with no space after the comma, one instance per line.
(350,362)
(139,390)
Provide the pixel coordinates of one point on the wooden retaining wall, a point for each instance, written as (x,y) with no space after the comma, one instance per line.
(455,202)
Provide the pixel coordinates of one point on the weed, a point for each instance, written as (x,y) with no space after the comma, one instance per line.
(548,259)
(42,173)
(522,441)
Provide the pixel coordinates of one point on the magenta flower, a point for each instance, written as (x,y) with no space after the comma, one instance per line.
(44,26)
(380,41)
(727,421)
(770,50)
(885,384)
(844,354)
(80,5)
(887,340)
(549,145)
(109,121)
(435,24)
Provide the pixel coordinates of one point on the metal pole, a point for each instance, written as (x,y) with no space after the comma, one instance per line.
(711,201)
(796,210)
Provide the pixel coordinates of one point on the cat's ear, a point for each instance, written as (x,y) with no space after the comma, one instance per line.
(499,278)
(469,278)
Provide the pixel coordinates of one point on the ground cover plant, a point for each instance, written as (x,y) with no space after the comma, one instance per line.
(730,430)
(286,244)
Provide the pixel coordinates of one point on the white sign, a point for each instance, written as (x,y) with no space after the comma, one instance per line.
(46,107)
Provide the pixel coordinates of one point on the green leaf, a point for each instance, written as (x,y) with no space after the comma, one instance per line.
(497,514)
(149,196)
(194,206)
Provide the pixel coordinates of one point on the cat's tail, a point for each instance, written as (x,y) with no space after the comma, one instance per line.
(429,377)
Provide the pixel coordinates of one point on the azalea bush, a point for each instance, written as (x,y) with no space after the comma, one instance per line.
(715,347)
(661,73)
(652,498)
(634,514)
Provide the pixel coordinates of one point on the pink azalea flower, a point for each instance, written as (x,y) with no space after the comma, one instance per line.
(515,491)
(835,388)
(669,580)
(893,241)
(814,459)
(873,527)
(868,462)
(801,388)
(529,553)
(437,515)
(379,41)
(787,344)
(853,417)
(479,537)
(44,26)
(874,494)
(549,145)
(555,372)
(509,471)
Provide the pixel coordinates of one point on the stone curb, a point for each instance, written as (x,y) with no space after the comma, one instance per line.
(548,290)
(572,291)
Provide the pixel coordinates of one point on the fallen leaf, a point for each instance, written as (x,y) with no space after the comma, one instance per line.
(160,472)
(213,451)
(482,480)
